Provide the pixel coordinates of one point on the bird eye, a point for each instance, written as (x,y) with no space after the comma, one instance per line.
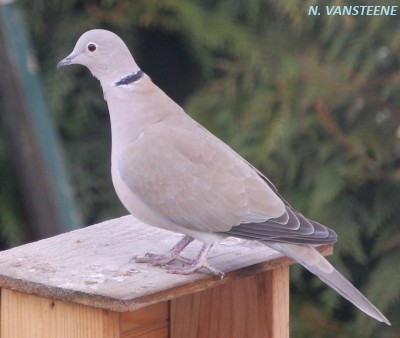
(91,47)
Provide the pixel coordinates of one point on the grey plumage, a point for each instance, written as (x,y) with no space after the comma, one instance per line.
(170,172)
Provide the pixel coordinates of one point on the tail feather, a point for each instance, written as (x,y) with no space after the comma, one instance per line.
(311,259)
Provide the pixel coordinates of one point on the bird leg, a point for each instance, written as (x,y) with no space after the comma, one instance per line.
(173,254)
(199,262)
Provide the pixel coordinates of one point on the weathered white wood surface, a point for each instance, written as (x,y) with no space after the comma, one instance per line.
(91,266)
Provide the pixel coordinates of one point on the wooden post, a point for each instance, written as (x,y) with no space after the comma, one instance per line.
(81,284)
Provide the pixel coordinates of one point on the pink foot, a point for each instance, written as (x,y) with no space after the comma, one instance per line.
(173,254)
(199,262)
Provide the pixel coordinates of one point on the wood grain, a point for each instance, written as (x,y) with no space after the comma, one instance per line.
(29,316)
(150,322)
(277,303)
(91,266)
(255,306)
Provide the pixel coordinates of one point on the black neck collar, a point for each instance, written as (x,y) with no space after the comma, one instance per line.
(129,78)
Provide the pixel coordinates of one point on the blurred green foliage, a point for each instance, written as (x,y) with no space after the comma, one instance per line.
(312,101)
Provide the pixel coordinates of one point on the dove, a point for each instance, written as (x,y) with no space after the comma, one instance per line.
(170,172)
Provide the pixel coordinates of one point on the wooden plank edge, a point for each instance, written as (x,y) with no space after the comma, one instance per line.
(124,305)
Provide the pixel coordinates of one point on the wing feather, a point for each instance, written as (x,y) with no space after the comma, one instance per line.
(195,180)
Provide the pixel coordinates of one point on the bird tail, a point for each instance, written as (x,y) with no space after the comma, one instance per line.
(311,259)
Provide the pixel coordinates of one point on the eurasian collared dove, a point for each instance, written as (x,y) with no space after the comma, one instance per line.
(172,173)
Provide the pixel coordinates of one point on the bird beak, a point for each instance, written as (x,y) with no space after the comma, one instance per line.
(67,61)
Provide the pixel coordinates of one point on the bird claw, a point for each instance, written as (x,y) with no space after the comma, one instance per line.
(159,260)
(193,267)
(189,266)
(150,258)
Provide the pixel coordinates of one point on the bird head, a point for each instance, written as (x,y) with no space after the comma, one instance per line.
(104,54)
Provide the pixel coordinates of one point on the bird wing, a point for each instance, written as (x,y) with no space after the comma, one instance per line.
(193,179)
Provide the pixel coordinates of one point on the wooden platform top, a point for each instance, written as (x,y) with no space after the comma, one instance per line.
(91,266)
